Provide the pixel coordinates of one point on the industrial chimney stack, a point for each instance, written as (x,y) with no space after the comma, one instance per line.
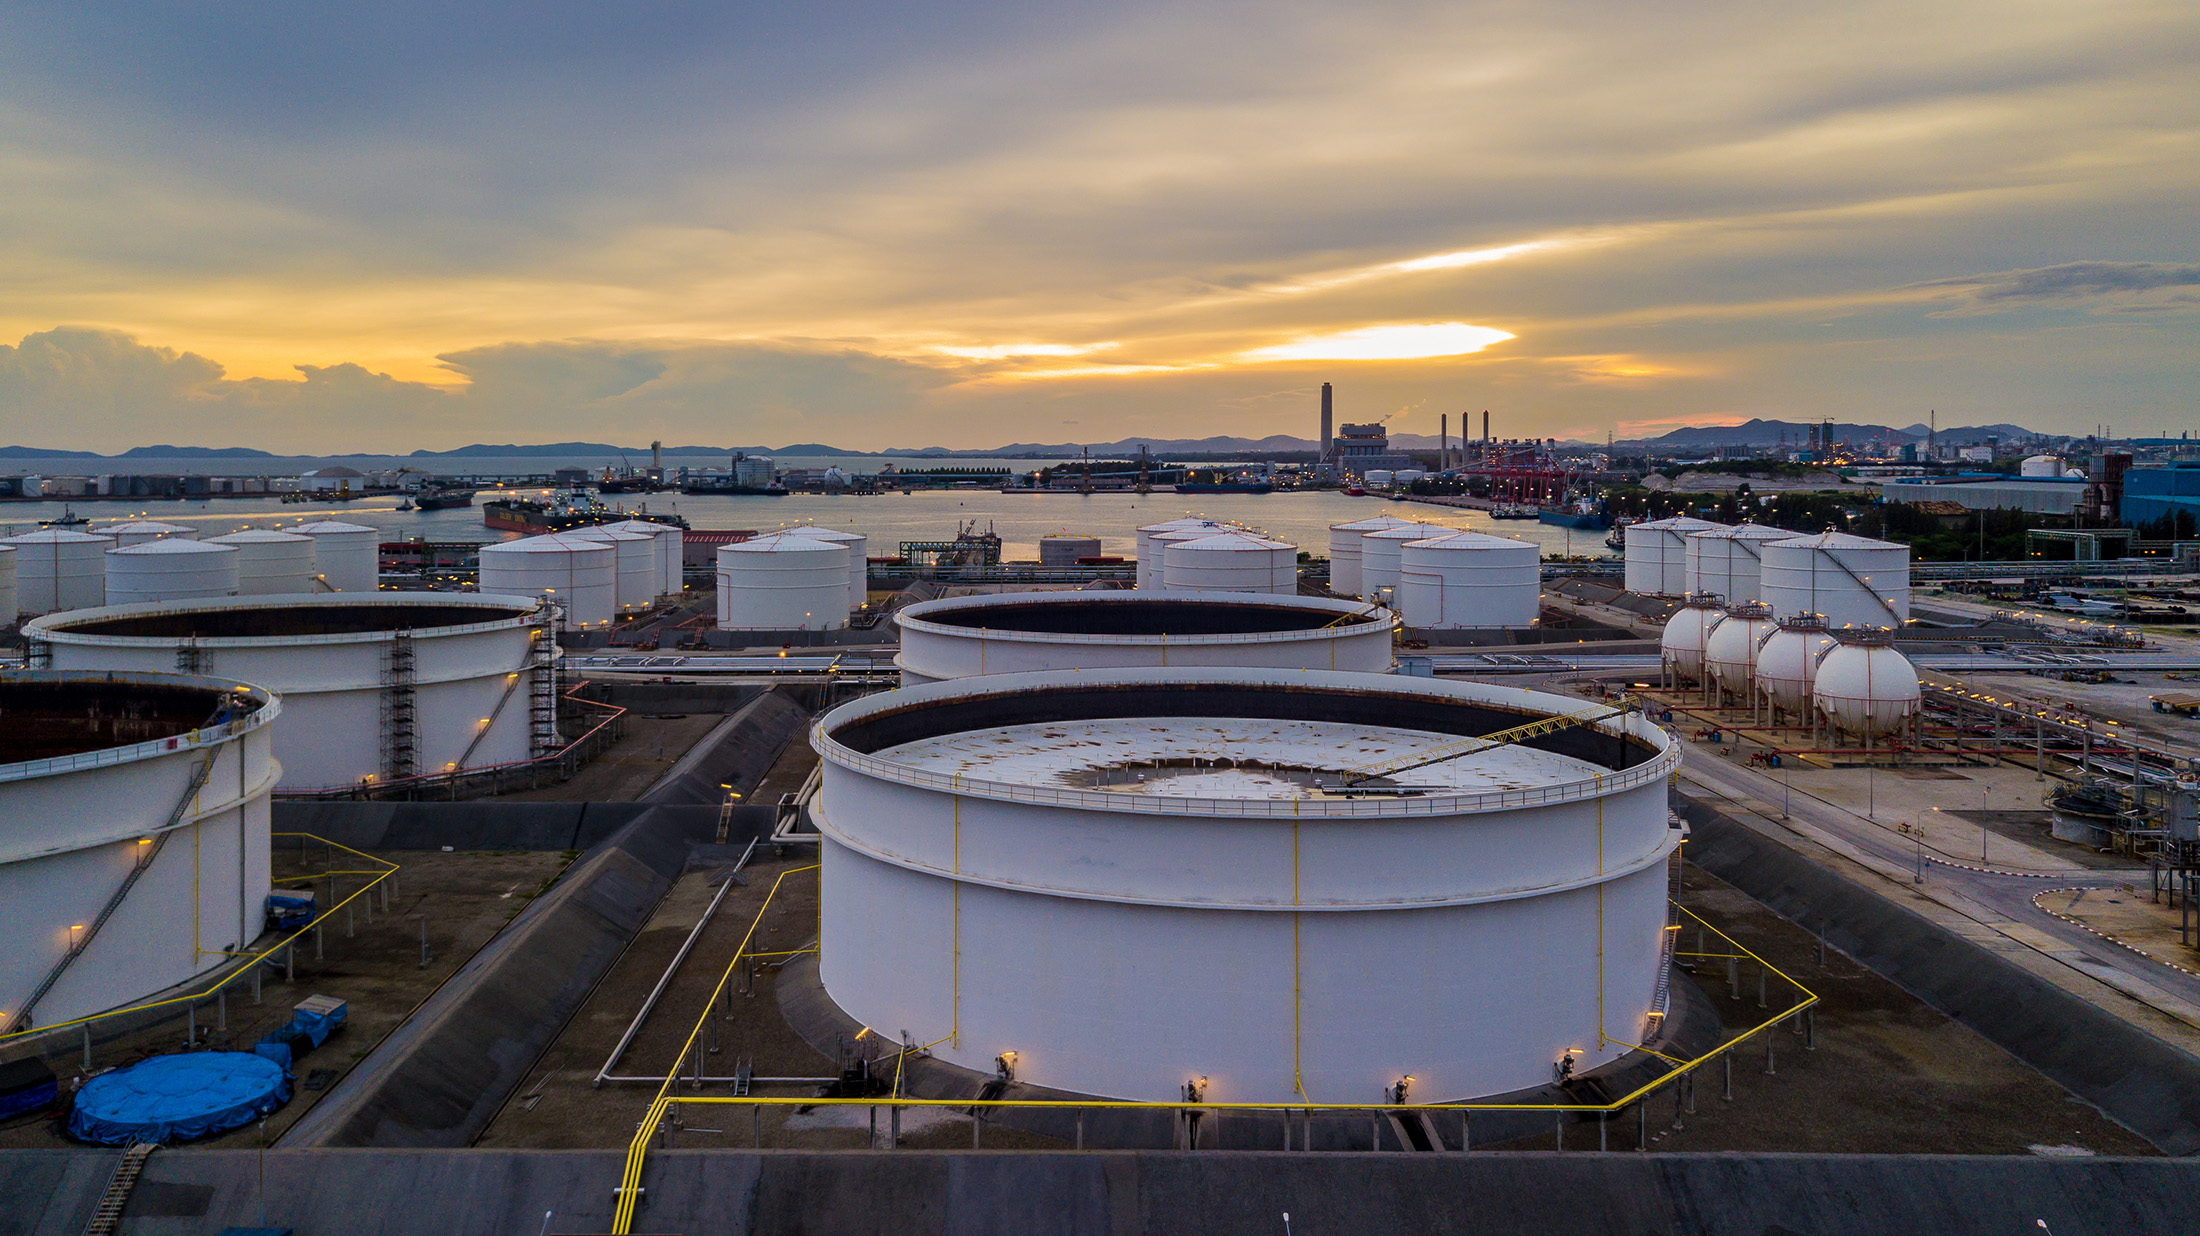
(1326,434)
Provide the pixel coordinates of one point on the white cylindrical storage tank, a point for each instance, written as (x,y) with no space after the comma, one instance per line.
(347,557)
(1149,548)
(581,576)
(1657,555)
(7,586)
(1231,562)
(1727,561)
(1065,551)
(1406,476)
(859,561)
(1378,476)
(468,701)
(139,531)
(669,546)
(1852,580)
(270,563)
(1344,550)
(1787,664)
(962,637)
(2041,465)
(1469,580)
(1380,551)
(634,562)
(1865,688)
(1127,878)
(1681,647)
(173,569)
(1730,651)
(56,569)
(98,793)
(783,582)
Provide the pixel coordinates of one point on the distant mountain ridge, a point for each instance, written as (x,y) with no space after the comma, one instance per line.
(1797,433)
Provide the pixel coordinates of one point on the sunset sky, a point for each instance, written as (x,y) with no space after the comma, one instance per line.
(380,227)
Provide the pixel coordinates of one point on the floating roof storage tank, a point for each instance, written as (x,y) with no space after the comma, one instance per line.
(1864,687)
(137,532)
(1378,476)
(1657,555)
(634,561)
(1232,562)
(670,548)
(1469,580)
(1406,476)
(56,569)
(1852,580)
(1066,551)
(1727,561)
(270,563)
(1149,551)
(1381,550)
(859,560)
(1128,877)
(1344,550)
(1787,665)
(1681,648)
(2041,465)
(100,796)
(581,576)
(347,557)
(477,663)
(1730,652)
(170,570)
(962,637)
(783,582)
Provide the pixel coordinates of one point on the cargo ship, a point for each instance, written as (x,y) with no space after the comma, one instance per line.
(561,513)
(442,497)
(1584,514)
(729,489)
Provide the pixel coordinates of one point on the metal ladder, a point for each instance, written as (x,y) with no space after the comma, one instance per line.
(400,720)
(147,853)
(108,1214)
(542,686)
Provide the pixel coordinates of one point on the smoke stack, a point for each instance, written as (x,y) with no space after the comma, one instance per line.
(1325,421)
(1485,424)
(1443,439)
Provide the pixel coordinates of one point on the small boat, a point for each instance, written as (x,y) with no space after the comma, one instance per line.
(69,519)
(1355,491)
(407,505)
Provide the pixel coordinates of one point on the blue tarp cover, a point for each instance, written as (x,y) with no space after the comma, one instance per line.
(178,1098)
(302,1033)
(289,909)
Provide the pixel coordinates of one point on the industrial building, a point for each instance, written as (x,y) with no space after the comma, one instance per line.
(2041,495)
(136,853)
(2154,494)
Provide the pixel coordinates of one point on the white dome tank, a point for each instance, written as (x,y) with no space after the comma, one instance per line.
(173,569)
(670,545)
(1231,562)
(1381,550)
(56,569)
(1469,580)
(634,562)
(7,586)
(1378,476)
(1727,561)
(1852,580)
(1730,651)
(581,576)
(94,789)
(139,531)
(270,563)
(470,695)
(859,560)
(1864,687)
(962,637)
(1149,548)
(1344,550)
(1406,476)
(347,557)
(1128,877)
(1681,648)
(2041,465)
(1787,664)
(783,582)
(1657,555)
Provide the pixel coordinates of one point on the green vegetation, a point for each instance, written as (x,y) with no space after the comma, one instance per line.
(1776,468)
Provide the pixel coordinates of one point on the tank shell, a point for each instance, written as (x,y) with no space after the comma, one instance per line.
(347,557)
(1382,550)
(1681,647)
(783,582)
(76,821)
(1344,550)
(2041,465)
(327,655)
(172,569)
(270,563)
(56,569)
(580,575)
(1406,476)
(1378,476)
(1119,941)
(1865,689)
(139,531)
(1852,580)
(637,571)
(1727,562)
(859,560)
(1730,651)
(7,585)
(1231,562)
(1468,581)
(963,637)
(1657,554)
(671,551)
(1149,549)
(1787,664)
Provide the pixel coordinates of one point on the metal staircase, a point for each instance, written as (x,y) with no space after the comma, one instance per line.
(147,852)
(107,1216)
(542,685)
(190,658)
(400,710)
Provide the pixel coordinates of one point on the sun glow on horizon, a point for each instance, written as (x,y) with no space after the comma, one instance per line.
(1414,341)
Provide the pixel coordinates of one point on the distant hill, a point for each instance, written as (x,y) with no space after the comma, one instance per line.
(140,452)
(1797,433)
